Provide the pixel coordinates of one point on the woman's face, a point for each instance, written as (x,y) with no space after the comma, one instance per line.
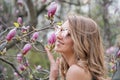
(64,43)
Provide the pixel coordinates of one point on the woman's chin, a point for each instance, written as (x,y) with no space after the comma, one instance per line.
(58,50)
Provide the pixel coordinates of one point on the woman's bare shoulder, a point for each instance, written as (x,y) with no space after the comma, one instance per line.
(76,72)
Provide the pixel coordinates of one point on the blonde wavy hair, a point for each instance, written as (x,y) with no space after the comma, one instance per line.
(88,48)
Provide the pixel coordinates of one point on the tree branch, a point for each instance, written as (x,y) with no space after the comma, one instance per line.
(9,63)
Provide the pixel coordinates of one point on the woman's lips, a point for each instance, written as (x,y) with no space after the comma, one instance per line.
(59,42)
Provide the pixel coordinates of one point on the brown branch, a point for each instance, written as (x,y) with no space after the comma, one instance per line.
(7,28)
(3,23)
(17,41)
(12,43)
(9,63)
(38,49)
(35,31)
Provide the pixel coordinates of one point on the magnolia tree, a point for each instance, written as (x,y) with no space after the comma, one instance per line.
(114,59)
(27,39)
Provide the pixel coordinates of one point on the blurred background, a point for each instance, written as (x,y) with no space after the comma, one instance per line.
(105,12)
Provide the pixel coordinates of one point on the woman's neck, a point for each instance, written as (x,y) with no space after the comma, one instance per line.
(69,57)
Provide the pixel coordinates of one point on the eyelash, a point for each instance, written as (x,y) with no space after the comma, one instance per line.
(58,29)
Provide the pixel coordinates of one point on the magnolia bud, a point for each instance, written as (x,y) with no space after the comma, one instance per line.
(19,20)
(21,67)
(26,64)
(11,34)
(114,68)
(20,2)
(19,57)
(16,74)
(110,50)
(26,48)
(52,9)
(35,36)
(39,68)
(25,29)
(52,38)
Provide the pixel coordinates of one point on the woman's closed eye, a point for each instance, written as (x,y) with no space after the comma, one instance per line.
(64,31)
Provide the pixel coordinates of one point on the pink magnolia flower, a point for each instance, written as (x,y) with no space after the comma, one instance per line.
(26,64)
(110,50)
(19,57)
(21,67)
(114,67)
(26,48)
(11,34)
(20,2)
(35,36)
(52,9)
(19,20)
(39,68)
(16,74)
(52,38)
(17,11)
(25,29)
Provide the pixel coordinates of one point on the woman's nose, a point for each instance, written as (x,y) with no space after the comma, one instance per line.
(59,36)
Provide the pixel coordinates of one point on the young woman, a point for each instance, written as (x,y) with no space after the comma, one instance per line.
(79,43)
